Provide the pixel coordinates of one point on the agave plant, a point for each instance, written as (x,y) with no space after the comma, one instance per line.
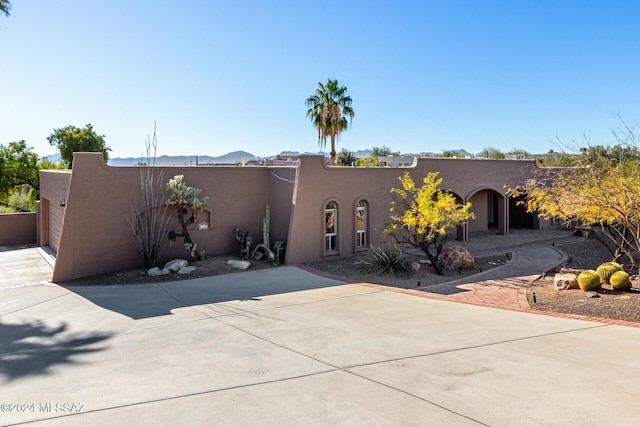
(388,260)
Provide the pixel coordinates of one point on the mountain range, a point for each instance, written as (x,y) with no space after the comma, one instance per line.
(232,158)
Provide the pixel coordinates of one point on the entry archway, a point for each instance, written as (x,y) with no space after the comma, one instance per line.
(490,210)
(518,215)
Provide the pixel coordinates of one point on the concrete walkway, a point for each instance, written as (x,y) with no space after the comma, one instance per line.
(533,253)
(507,286)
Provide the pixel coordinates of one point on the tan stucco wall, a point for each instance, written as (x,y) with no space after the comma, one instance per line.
(54,189)
(281,184)
(17,228)
(97,237)
(317,184)
(54,185)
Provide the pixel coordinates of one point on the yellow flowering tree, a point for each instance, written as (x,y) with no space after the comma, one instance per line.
(422,216)
(603,192)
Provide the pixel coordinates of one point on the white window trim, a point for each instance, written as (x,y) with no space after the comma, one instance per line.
(361,235)
(328,236)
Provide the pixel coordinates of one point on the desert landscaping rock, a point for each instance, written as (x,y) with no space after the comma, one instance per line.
(239,264)
(565,281)
(176,264)
(457,258)
(155,271)
(187,270)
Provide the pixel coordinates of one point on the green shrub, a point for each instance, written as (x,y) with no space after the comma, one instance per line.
(387,260)
(20,201)
(589,280)
(620,281)
(606,269)
(32,198)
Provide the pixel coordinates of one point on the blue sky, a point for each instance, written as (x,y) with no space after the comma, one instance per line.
(219,76)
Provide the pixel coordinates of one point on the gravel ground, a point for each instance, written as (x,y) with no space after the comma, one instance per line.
(210,266)
(610,304)
(351,268)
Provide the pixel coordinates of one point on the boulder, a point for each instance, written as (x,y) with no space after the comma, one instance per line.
(415,266)
(187,270)
(176,265)
(565,281)
(457,258)
(155,271)
(239,264)
(571,270)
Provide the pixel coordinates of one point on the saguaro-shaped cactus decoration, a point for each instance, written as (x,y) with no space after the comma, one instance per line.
(265,246)
(265,227)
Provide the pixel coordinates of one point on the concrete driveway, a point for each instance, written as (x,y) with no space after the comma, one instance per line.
(24,266)
(287,347)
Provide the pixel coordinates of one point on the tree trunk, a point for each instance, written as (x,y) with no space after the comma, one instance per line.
(434,262)
(438,244)
(333,154)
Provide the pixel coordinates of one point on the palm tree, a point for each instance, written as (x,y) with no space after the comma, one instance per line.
(5,7)
(328,109)
(346,158)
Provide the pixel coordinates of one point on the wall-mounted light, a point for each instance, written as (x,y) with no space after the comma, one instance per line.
(62,203)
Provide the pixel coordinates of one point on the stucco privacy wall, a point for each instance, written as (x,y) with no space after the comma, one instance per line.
(97,237)
(281,185)
(316,184)
(54,188)
(17,228)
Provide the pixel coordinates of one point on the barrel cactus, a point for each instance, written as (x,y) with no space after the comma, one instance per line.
(606,269)
(589,280)
(620,281)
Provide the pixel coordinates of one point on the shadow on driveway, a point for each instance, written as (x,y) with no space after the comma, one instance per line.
(33,348)
(144,301)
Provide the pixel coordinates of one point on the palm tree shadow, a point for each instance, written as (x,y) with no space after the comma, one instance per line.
(33,348)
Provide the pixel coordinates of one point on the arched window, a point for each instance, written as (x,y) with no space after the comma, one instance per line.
(361,224)
(331,227)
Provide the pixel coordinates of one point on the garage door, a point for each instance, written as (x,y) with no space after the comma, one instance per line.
(56,213)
